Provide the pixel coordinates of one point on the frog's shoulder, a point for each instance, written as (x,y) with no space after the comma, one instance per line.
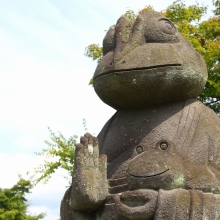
(206,114)
(102,134)
(202,135)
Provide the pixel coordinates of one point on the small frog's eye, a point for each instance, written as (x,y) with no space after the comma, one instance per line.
(139,149)
(167,26)
(163,145)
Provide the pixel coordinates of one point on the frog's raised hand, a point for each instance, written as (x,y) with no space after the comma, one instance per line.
(89,183)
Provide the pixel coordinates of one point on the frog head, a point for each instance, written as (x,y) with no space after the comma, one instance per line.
(147,62)
(156,168)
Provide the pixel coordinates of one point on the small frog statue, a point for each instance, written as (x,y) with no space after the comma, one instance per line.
(158,156)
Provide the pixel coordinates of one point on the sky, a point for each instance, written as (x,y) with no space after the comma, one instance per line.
(44,78)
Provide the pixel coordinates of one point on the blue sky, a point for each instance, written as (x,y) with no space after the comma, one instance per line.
(44,81)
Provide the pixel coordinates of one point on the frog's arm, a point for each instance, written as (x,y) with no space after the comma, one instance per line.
(177,204)
(187,204)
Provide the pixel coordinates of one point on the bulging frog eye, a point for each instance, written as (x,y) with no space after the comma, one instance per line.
(139,149)
(163,145)
(167,26)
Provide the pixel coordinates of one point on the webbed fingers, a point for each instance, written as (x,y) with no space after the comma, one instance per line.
(79,155)
(89,137)
(90,143)
(91,152)
(90,171)
(95,141)
(84,140)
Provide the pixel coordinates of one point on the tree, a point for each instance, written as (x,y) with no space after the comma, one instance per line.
(204,36)
(13,204)
(59,154)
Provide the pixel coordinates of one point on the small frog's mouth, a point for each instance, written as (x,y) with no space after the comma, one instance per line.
(146,176)
(133,69)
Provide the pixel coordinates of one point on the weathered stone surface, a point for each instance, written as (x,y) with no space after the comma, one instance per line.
(148,62)
(162,146)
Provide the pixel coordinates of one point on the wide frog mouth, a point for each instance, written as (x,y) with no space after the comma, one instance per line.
(149,75)
(136,69)
(148,176)
(156,168)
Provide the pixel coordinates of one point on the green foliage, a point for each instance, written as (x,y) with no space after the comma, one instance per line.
(217,7)
(147,7)
(94,51)
(204,36)
(130,14)
(59,154)
(13,204)
(178,12)
(187,21)
(85,125)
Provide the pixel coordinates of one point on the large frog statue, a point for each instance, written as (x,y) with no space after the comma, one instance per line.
(158,157)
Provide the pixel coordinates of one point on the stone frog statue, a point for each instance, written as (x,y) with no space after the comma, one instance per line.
(158,156)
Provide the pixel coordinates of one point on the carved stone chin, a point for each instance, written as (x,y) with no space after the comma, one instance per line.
(158,156)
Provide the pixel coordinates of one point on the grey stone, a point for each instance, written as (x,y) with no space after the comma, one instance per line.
(158,156)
